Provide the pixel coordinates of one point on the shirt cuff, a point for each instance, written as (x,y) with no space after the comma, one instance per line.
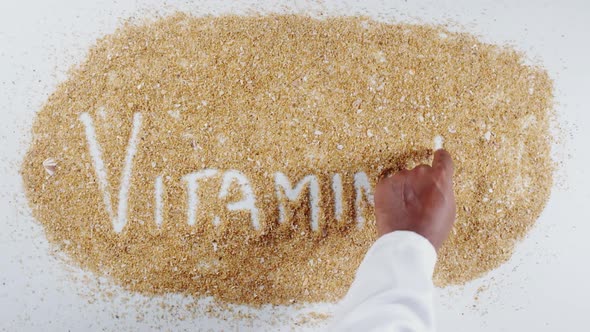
(405,245)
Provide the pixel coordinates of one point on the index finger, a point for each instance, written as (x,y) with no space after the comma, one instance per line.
(443,162)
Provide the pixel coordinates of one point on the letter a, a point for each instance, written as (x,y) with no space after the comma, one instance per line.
(249,200)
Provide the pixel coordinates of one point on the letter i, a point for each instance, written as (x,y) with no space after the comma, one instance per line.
(158,191)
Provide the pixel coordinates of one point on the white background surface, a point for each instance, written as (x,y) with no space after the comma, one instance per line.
(544,287)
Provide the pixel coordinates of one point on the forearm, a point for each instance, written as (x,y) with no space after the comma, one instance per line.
(393,287)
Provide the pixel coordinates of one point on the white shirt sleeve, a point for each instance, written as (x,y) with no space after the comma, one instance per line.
(393,289)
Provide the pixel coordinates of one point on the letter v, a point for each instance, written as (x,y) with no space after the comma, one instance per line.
(120,219)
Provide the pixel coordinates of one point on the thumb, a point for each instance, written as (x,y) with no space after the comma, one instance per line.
(443,163)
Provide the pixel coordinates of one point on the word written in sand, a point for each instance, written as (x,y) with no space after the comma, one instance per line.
(284,189)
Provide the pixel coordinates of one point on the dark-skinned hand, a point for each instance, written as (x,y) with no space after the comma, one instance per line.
(420,200)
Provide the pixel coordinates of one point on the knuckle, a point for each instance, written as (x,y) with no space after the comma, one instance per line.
(402,173)
(422,168)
